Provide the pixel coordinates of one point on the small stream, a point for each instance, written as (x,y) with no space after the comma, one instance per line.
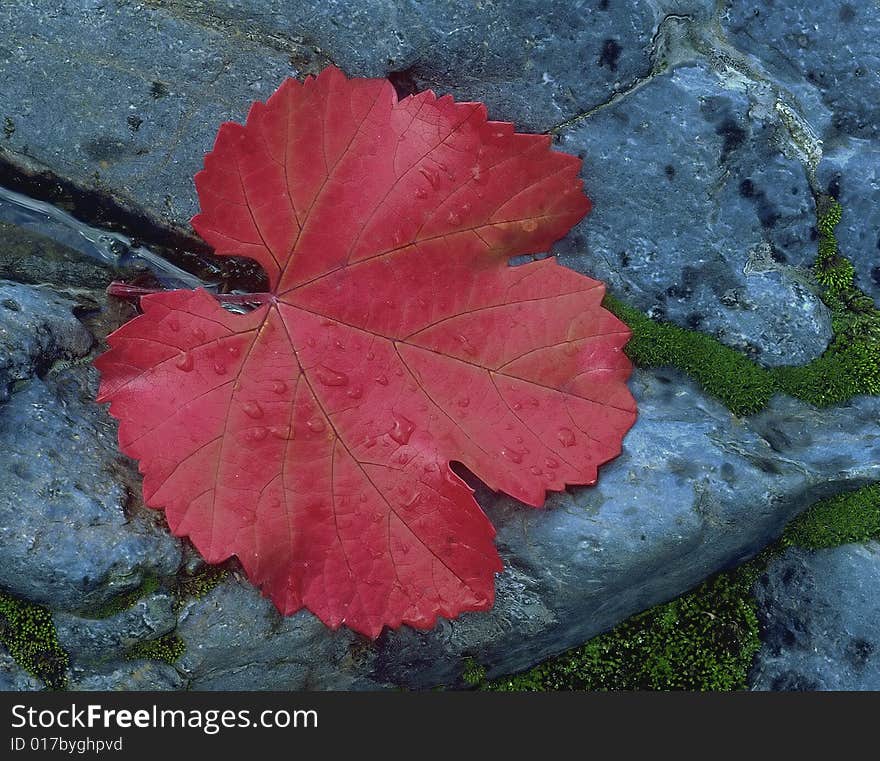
(112,250)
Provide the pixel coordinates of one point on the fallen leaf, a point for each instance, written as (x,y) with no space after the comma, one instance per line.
(312,436)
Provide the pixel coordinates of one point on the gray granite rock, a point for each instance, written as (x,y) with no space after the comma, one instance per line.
(695,490)
(96,641)
(829,47)
(820,614)
(13,678)
(534,62)
(126,98)
(128,676)
(696,213)
(851,171)
(135,120)
(66,539)
(236,640)
(37,327)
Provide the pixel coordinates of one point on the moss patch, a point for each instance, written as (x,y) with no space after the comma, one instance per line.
(850,517)
(168,649)
(27,631)
(742,385)
(704,640)
(124,601)
(848,367)
(198,584)
(474,675)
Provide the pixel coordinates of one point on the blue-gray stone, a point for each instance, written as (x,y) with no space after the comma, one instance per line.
(237,640)
(820,617)
(13,678)
(37,327)
(128,676)
(695,490)
(96,641)
(66,538)
(829,47)
(696,215)
(534,62)
(851,171)
(124,98)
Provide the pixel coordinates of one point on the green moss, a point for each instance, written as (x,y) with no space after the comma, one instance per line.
(850,517)
(27,631)
(168,649)
(742,385)
(474,674)
(830,212)
(848,367)
(198,584)
(704,640)
(124,601)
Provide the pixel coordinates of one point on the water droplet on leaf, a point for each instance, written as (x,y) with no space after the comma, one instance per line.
(566,437)
(256,434)
(331,377)
(184,362)
(512,454)
(252,409)
(402,430)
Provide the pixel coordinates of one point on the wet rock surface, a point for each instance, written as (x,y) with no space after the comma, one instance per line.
(825,46)
(92,641)
(37,327)
(125,98)
(821,616)
(142,675)
(13,678)
(695,490)
(66,540)
(532,62)
(851,172)
(238,641)
(696,214)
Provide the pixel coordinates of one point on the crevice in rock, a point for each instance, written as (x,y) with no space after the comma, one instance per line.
(181,248)
(681,39)
(404,82)
(657,67)
(91,206)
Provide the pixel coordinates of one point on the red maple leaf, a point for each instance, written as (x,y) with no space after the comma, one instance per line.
(312,436)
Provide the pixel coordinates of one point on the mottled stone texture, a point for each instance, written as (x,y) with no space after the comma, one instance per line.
(820,612)
(66,540)
(697,214)
(694,491)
